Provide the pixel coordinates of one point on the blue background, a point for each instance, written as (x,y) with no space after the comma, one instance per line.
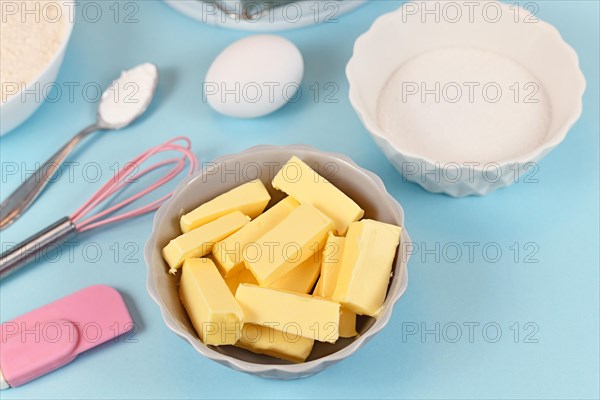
(557,218)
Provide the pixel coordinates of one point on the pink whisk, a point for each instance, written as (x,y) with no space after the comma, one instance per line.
(85,219)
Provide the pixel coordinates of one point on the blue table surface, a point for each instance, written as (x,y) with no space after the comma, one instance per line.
(533,311)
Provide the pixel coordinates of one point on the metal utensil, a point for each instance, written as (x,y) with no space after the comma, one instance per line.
(19,201)
(91,215)
(249,10)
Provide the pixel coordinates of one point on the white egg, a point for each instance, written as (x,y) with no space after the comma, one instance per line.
(254,77)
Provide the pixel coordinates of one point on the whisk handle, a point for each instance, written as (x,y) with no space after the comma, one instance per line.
(33,248)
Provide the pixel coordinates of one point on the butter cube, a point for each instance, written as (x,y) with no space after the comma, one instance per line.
(250,198)
(300,181)
(229,253)
(292,313)
(242,276)
(369,253)
(200,241)
(302,278)
(288,244)
(215,314)
(319,288)
(332,262)
(347,323)
(330,268)
(263,340)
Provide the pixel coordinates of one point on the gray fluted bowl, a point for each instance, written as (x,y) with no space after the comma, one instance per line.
(263,162)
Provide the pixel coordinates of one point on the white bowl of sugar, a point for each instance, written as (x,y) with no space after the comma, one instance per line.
(464,97)
(34,38)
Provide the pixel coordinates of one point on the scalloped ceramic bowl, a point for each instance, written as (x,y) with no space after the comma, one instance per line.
(20,106)
(263,162)
(443,137)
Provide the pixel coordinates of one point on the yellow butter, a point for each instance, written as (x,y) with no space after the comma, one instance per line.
(229,253)
(302,278)
(215,314)
(263,340)
(300,181)
(332,261)
(347,323)
(369,253)
(242,276)
(250,198)
(330,268)
(319,288)
(292,313)
(232,282)
(288,244)
(200,241)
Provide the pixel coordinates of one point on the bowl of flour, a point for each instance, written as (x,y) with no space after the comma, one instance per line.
(465,97)
(33,39)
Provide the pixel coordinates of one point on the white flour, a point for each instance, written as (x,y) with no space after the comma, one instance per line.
(128,96)
(468,122)
(28,41)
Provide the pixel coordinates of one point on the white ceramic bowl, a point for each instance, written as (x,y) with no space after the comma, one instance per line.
(430,146)
(18,108)
(263,162)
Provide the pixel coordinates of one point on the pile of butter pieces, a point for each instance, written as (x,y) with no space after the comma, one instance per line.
(248,276)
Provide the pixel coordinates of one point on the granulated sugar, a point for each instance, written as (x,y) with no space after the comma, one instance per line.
(31,33)
(464,105)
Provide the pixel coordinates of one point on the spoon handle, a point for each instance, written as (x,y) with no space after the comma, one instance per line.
(19,201)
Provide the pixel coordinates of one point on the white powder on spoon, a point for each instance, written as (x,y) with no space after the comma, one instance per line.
(127,97)
(469,121)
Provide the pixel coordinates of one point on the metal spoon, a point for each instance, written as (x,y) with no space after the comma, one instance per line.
(19,201)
